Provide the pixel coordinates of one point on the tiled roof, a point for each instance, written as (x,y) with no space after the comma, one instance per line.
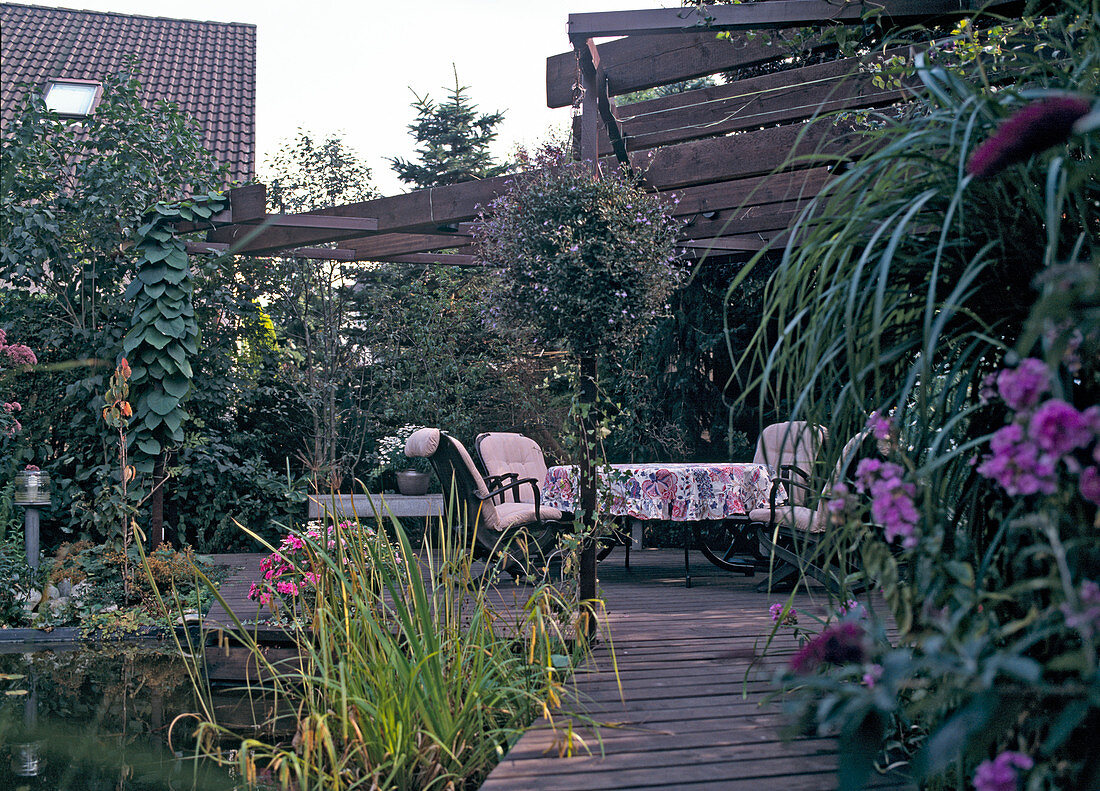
(207,68)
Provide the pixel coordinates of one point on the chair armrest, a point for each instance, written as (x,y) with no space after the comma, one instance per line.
(514,485)
(786,469)
(494,481)
(785,483)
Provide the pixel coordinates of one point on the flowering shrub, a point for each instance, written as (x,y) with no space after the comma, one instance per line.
(292,574)
(12,356)
(582,261)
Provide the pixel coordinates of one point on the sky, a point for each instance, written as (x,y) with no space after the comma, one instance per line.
(347,67)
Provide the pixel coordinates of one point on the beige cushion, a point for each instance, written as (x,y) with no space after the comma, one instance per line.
(513,514)
(795,516)
(422,443)
(796,442)
(503,452)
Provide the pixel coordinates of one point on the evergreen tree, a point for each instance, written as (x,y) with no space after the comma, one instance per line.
(453,142)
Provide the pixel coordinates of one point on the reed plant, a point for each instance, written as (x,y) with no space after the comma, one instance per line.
(412,670)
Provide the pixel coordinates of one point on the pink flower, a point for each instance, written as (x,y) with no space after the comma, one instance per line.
(1017,465)
(840,644)
(891,499)
(1058,428)
(31,468)
(1021,387)
(1087,618)
(13,406)
(788,619)
(881,425)
(873,674)
(1035,128)
(1000,773)
(287,588)
(18,354)
(1089,484)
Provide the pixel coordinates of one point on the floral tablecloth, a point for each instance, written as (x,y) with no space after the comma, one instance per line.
(680,492)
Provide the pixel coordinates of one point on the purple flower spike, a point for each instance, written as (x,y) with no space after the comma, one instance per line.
(1035,128)
(1000,774)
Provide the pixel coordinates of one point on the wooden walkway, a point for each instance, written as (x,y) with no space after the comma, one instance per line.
(693,711)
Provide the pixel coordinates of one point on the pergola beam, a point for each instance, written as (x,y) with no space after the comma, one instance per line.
(772,15)
(446,259)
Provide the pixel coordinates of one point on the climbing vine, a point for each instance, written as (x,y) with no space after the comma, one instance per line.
(163,333)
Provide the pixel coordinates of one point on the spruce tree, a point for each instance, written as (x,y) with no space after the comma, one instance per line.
(452,142)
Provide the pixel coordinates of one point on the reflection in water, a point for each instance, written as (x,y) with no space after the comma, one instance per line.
(100,719)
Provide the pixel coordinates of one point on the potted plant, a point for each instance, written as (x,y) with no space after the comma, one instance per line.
(413,474)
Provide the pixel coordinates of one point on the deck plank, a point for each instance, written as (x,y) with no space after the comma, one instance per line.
(681,703)
(696,666)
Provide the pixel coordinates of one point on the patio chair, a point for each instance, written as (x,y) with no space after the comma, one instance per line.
(520,532)
(789,451)
(792,532)
(506,456)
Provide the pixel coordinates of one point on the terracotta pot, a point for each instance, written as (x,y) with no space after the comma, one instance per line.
(412,482)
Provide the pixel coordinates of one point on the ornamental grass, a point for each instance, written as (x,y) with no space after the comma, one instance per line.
(408,676)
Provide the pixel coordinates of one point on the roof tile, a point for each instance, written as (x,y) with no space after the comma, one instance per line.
(194,64)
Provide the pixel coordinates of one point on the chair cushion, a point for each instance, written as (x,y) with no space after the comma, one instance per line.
(515,514)
(796,442)
(795,516)
(503,452)
(422,443)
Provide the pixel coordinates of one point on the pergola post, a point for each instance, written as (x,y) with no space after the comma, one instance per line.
(589,154)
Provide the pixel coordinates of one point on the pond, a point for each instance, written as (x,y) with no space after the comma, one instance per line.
(105,718)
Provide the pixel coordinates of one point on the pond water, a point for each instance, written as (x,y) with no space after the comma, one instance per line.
(100,719)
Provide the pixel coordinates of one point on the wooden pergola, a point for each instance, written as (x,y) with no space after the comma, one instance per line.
(743,156)
(729,152)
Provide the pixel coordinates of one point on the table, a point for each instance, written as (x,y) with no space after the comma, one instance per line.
(696,492)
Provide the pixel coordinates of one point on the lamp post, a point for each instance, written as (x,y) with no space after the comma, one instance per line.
(32,491)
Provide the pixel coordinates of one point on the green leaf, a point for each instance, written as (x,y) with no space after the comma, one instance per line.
(153,290)
(153,253)
(152,274)
(176,386)
(161,403)
(156,338)
(149,445)
(173,328)
(173,420)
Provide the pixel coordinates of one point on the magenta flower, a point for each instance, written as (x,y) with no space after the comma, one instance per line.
(1058,428)
(1017,464)
(840,644)
(892,503)
(881,425)
(790,619)
(1000,774)
(1089,483)
(1021,387)
(873,674)
(1087,618)
(1035,128)
(18,354)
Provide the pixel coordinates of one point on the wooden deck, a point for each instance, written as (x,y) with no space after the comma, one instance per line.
(692,713)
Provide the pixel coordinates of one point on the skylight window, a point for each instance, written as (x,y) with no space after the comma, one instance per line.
(72,97)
